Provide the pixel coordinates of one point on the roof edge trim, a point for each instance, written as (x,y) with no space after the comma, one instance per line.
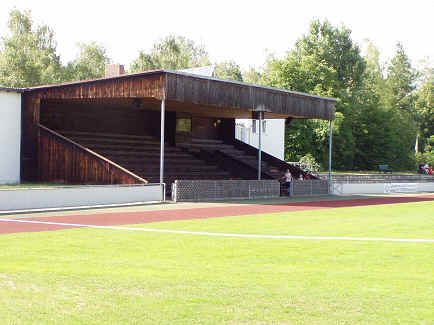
(12,90)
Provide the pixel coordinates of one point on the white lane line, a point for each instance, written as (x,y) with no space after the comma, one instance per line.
(184,232)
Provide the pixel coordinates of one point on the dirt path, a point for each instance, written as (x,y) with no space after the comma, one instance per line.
(142,217)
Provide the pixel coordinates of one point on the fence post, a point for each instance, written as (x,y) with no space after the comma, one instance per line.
(174,196)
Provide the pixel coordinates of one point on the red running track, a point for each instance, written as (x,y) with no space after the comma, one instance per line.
(142,217)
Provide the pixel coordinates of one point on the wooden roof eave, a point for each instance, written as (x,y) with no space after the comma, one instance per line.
(195,90)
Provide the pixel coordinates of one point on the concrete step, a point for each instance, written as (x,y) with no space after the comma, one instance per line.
(155,161)
(106,135)
(127,147)
(209,147)
(145,154)
(95,141)
(204,169)
(206,141)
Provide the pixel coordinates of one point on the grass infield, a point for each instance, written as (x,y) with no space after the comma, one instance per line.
(103,276)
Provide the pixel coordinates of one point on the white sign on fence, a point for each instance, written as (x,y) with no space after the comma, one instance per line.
(400,187)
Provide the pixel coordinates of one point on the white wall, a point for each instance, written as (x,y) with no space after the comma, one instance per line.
(10,136)
(381,188)
(272,140)
(78,196)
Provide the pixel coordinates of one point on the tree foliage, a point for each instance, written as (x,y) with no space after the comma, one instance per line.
(173,53)
(324,62)
(424,106)
(253,76)
(228,70)
(367,131)
(28,54)
(400,81)
(89,64)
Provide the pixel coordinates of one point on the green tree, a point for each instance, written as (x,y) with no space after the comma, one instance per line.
(337,57)
(424,107)
(89,64)
(374,81)
(253,76)
(228,70)
(173,53)
(324,62)
(28,54)
(400,82)
(366,132)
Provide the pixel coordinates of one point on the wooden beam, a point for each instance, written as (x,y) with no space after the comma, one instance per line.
(30,114)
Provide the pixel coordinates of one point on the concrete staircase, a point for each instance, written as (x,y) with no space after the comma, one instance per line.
(141,156)
(269,169)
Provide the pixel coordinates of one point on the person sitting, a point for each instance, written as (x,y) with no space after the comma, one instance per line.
(421,169)
(429,170)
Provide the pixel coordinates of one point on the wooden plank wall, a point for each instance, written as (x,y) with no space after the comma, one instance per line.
(29,137)
(151,86)
(187,89)
(201,91)
(93,117)
(204,128)
(63,161)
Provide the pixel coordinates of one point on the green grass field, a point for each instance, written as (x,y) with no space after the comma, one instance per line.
(103,276)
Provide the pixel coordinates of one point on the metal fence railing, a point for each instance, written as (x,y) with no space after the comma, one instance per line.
(202,190)
(309,188)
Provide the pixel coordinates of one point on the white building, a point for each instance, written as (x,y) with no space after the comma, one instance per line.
(10,135)
(272,139)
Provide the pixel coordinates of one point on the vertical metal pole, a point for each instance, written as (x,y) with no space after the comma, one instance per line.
(330,153)
(260,145)
(162,142)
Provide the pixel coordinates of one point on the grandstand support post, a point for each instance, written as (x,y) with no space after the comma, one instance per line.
(260,116)
(163,108)
(330,155)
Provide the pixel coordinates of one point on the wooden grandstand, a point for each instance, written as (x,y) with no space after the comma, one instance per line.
(108,131)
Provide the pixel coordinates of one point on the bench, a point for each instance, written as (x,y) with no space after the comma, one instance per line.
(384,169)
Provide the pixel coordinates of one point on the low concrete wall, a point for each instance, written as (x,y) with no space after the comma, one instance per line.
(78,196)
(202,190)
(426,187)
(378,178)
(381,188)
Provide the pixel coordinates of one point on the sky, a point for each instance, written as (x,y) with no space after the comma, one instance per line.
(243,31)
